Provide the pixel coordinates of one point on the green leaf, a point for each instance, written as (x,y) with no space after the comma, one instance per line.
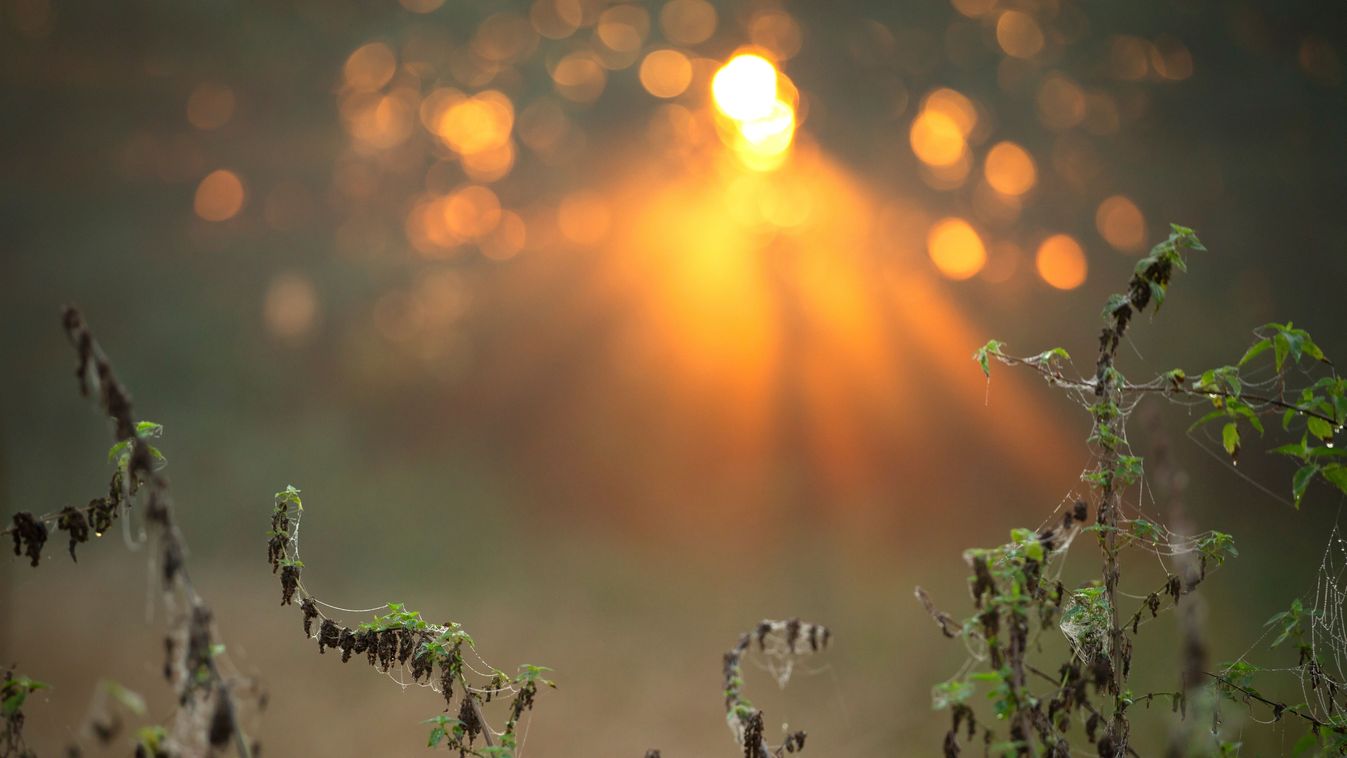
(117,451)
(290,495)
(1256,350)
(1320,428)
(1230,439)
(993,347)
(149,429)
(1301,480)
(130,699)
(1211,416)
(1336,474)
(1116,301)
(1293,449)
(1281,347)
(1046,356)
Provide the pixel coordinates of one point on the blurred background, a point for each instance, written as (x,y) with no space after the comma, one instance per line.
(608,329)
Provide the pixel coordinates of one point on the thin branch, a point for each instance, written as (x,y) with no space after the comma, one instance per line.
(1278,708)
(96,375)
(1056,379)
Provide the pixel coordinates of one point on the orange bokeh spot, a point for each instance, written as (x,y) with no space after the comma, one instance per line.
(490,165)
(210,106)
(1121,224)
(1019,34)
(380,121)
(937,139)
(370,67)
(219,196)
(556,19)
(291,306)
(1009,169)
(954,105)
(955,248)
(688,22)
(666,73)
(579,77)
(471,212)
(477,124)
(1061,262)
(623,28)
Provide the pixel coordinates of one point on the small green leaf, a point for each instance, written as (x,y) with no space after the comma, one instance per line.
(1301,480)
(149,429)
(1336,474)
(1256,350)
(1230,439)
(993,347)
(1320,429)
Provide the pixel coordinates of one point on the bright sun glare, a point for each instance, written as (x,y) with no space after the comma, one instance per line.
(755,98)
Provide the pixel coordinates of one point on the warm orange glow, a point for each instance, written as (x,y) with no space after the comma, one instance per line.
(490,165)
(1061,262)
(478,124)
(556,19)
(939,137)
(291,306)
(936,139)
(380,121)
(1009,169)
(688,22)
(370,67)
(746,88)
(1121,224)
(428,231)
(472,211)
(583,218)
(955,248)
(954,105)
(666,73)
(219,196)
(623,28)
(748,92)
(210,106)
(1019,34)
(579,77)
